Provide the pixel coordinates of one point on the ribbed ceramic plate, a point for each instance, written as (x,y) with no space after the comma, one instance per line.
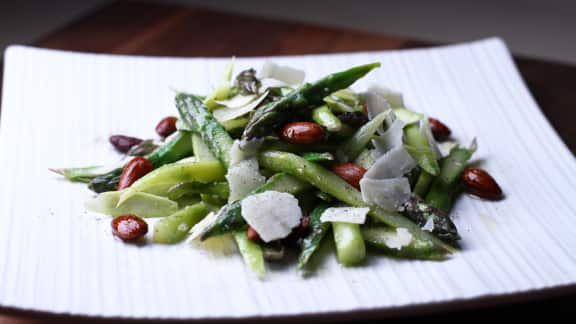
(59,108)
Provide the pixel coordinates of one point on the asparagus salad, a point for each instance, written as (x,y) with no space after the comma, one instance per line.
(274,165)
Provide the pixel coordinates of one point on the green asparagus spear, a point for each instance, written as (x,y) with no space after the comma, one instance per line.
(84,174)
(420,213)
(178,190)
(251,253)
(365,159)
(196,115)
(423,184)
(318,157)
(175,227)
(141,204)
(307,96)
(324,117)
(177,148)
(201,151)
(312,241)
(330,183)
(445,187)
(230,217)
(343,101)
(357,143)
(380,236)
(169,175)
(350,247)
(418,146)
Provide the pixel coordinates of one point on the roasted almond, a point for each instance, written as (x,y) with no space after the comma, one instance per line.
(123,143)
(167,126)
(350,172)
(134,170)
(480,183)
(129,227)
(302,133)
(440,131)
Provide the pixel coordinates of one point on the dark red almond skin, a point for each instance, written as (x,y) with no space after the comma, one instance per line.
(350,172)
(123,143)
(134,170)
(480,183)
(252,234)
(129,227)
(440,131)
(167,126)
(302,133)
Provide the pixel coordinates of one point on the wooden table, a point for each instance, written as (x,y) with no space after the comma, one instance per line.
(128,27)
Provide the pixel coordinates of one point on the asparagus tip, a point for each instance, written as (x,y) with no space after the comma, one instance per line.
(58,171)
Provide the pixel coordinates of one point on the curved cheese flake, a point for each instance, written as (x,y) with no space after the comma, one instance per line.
(243,177)
(271,214)
(395,163)
(237,101)
(398,240)
(352,215)
(197,230)
(394,98)
(391,138)
(389,194)
(232,112)
(376,104)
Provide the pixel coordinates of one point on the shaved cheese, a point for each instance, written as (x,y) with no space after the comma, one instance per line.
(229,113)
(345,215)
(243,177)
(399,239)
(243,150)
(394,98)
(389,194)
(236,153)
(429,226)
(197,230)
(376,104)
(285,74)
(237,101)
(446,147)
(271,214)
(395,163)
(391,138)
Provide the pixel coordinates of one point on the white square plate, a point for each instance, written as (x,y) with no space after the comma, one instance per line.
(59,108)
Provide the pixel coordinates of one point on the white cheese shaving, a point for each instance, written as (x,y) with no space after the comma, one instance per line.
(429,226)
(394,98)
(236,153)
(376,104)
(228,113)
(285,74)
(399,239)
(237,101)
(345,215)
(446,147)
(201,226)
(271,214)
(389,194)
(395,163)
(243,177)
(391,138)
